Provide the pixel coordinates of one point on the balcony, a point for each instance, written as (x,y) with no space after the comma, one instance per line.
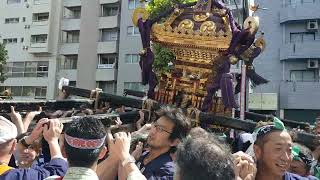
(301,10)
(299,95)
(41,7)
(309,49)
(39,27)
(71,3)
(107,74)
(70,24)
(108,1)
(39,43)
(108,47)
(108,22)
(69,48)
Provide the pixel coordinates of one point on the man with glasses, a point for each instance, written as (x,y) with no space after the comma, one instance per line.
(164,136)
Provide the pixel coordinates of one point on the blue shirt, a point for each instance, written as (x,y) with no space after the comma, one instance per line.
(161,168)
(291,176)
(54,167)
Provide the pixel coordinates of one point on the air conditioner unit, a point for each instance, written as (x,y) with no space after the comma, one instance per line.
(313,63)
(312,25)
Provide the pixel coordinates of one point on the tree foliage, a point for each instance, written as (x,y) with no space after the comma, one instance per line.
(3,62)
(155,7)
(162,55)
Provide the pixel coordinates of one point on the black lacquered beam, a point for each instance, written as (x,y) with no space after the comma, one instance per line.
(206,118)
(262,117)
(113,99)
(133,93)
(51,105)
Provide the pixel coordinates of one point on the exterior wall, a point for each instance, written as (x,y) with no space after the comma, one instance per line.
(128,45)
(22,51)
(89,34)
(283,55)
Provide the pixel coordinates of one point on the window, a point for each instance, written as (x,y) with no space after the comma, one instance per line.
(108,35)
(16,90)
(10,41)
(39,38)
(69,62)
(107,86)
(133,31)
(28,91)
(24,19)
(303,75)
(30,69)
(37,2)
(40,17)
(27,69)
(107,61)
(109,10)
(132,58)
(22,40)
(72,36)
(17,69)
(75,12)
(134,86)
(40,92)
(42,69)
(302,37)
(11,20)
(73,83)
(134,3)
(13,1)
(72,12)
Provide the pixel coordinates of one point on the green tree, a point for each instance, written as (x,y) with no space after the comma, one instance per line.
(156,7)
(3,62)
(162,55)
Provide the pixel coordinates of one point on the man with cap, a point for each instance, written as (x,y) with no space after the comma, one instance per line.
(272,150)
(51,130)
(84,145)
(302,161)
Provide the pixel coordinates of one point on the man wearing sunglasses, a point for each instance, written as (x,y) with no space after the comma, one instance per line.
(164,136)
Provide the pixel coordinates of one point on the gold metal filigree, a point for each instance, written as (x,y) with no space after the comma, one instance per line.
(139,12)
(201,17)
(186,25)
(177,12)
(261,43)
(252,23)
(208,27)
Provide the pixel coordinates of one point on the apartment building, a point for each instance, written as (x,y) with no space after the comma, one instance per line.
(88,49)
(291,59)
(129,76)
(93,43)
(30,30)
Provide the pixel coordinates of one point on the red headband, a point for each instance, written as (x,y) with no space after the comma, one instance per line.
(80,143)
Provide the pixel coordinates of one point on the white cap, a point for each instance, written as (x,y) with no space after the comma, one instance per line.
(8,130)
(63,82)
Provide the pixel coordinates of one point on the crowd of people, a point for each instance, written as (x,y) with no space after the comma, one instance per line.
(86,149)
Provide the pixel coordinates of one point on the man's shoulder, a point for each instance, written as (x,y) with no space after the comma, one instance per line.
(291,176)
(56,166)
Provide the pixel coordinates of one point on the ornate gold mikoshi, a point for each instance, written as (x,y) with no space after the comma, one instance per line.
(261,43)
(186,24)
(201,17)
(208,27)
(139,12)
(252,22)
